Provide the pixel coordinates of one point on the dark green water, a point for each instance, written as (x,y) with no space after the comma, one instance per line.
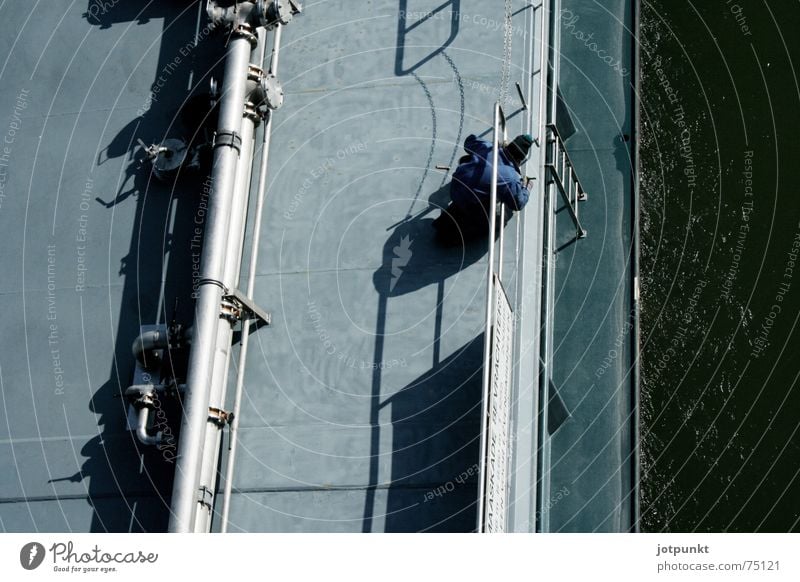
(721,265)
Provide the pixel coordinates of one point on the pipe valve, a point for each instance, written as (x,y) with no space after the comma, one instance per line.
(166,157)
(249,15)
(275,12)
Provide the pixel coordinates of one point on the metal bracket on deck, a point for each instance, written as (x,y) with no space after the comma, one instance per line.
(237,306)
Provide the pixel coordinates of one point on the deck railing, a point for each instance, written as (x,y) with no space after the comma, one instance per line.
(562,173)
(497,366)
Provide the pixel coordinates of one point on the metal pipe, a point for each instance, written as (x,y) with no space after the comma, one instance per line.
(237,399)
(141,429)
(501,242)
(185,493)
(214,426)
(487,340)
(148,341)
(233,262)
(544,53)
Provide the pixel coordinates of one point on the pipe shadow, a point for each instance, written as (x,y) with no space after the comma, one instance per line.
(129,484)
(105,13)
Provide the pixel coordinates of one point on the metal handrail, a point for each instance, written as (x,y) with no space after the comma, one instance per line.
(562,171)
(501,122)
(494,277)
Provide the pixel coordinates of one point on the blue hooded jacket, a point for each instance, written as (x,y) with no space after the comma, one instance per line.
(472,180)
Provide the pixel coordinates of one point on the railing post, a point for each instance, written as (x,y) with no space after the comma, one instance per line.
(495,154)
(487,340)
(498,347)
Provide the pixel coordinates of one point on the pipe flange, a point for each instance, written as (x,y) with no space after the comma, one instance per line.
(254,73)
(230,310)
(245,31)
(170,157)
(251,112)
(273,91)
(253,88)
(219,417)
(141,395)
(146,401)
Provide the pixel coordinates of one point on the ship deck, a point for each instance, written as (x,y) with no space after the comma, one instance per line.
(362,402)
(362,399)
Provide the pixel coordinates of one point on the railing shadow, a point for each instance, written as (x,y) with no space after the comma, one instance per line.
(436,433)
(105,13)
(414,259)
(404,28)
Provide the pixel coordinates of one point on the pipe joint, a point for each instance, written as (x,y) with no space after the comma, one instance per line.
(229,139)
(244,17)
(264,90)
(278,12)
(148,348)
(246,31)
(232,13)
(143,400)
(141,430)
(230,310)
(219,417)
(141,395)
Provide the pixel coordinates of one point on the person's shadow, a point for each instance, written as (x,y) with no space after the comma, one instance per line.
(447,395)
(414,258)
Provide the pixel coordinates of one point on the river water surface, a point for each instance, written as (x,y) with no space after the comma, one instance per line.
(720,266)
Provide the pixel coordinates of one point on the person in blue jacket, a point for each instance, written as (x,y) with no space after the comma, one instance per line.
(467,217)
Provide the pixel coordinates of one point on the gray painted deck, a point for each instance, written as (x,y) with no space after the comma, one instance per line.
(80,274)
(364,397)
